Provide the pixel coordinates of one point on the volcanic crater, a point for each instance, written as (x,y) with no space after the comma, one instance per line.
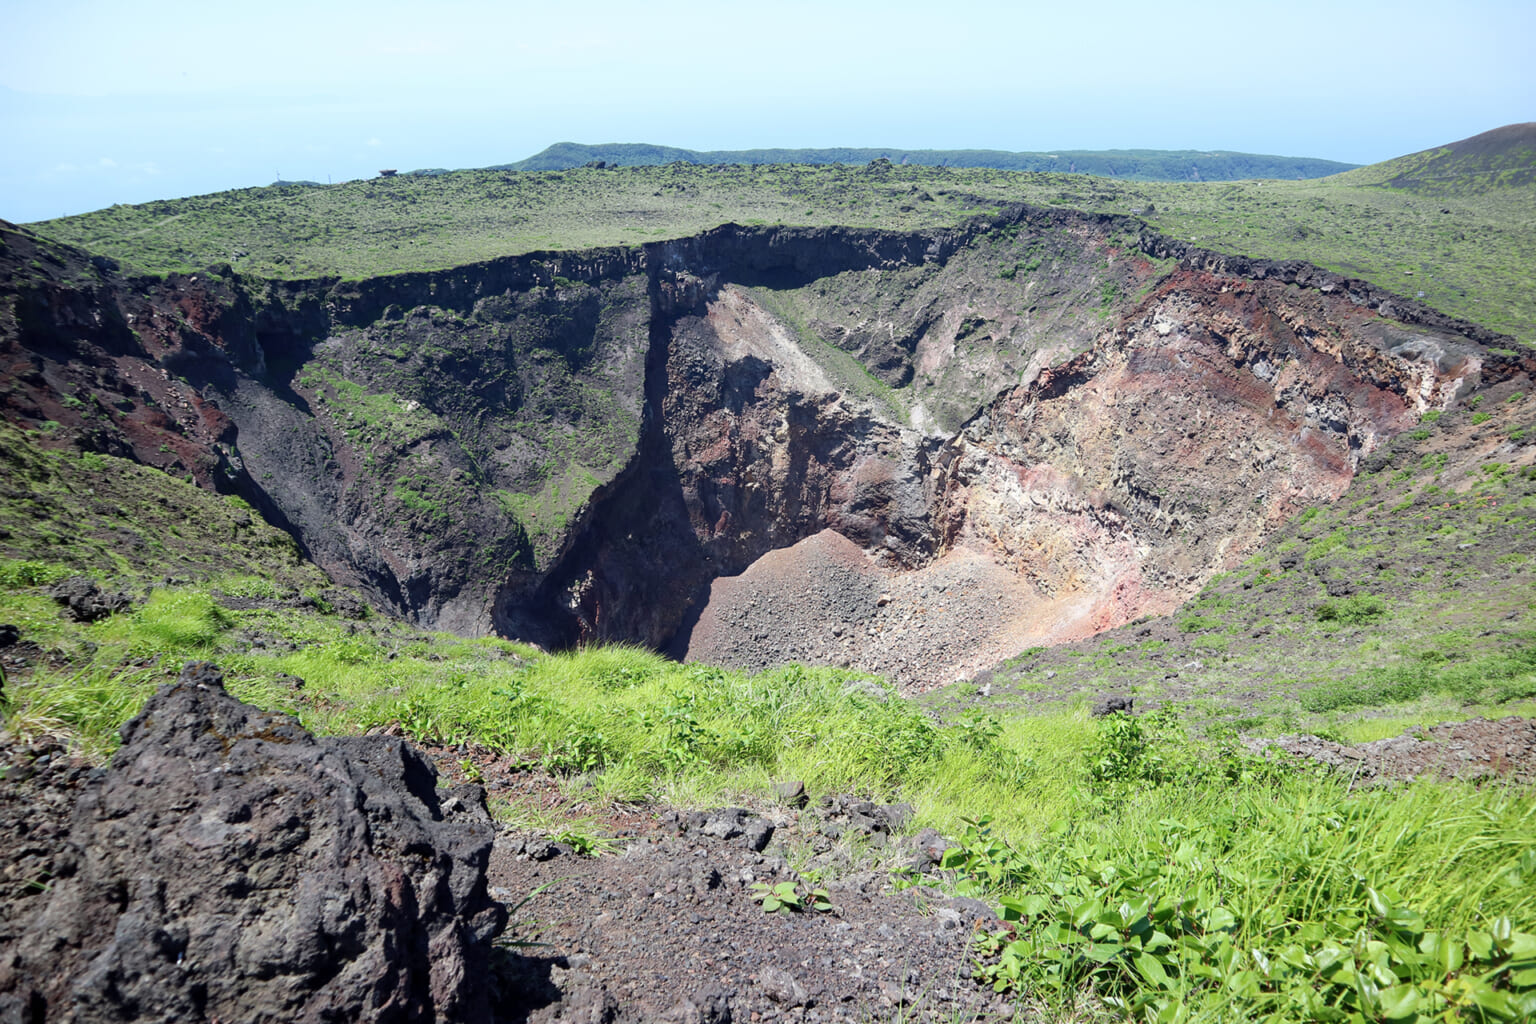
(909,453)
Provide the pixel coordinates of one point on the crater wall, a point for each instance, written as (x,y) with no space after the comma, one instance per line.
(914,454)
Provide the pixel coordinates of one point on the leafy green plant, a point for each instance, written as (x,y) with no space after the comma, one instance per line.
(584,749)
(790,897)
(1172,934)
(16,572)
(984,862)
(1158,955)
(1121,753)
(1129,748)
(683,733)
(1352,611)
(583,843)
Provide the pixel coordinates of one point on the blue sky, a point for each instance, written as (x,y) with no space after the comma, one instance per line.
(103,103)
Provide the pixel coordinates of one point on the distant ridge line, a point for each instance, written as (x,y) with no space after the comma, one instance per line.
(1125,164)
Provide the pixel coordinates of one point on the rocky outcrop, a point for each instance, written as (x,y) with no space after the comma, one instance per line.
(1068,418)
(85,601)
(1477,750)
(1105,467)
(1117,483)
(230,866)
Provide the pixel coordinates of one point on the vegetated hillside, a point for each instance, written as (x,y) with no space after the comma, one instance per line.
(1128,164)
(1467,253)
(1498,159)
(89,512)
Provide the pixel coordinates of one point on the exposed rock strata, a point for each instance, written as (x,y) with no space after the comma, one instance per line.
(577,446)
(229,866)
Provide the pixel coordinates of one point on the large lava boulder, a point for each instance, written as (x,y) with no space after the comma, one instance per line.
(86,601)
(230,866)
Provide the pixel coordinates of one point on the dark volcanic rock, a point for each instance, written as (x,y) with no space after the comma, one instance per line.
(791,793)
(728,823)
(231,866)
(86,601)
(1111,703)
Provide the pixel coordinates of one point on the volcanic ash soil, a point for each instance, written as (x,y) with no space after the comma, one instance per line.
(668,930)
(823,601)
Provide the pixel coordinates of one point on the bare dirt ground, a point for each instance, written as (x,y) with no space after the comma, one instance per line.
(665,928)
(824,602)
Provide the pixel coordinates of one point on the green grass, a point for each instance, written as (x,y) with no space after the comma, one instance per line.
(1467,253)
(691,733)
(1493,679)
(1074,810)
(67,513)
(1265,901)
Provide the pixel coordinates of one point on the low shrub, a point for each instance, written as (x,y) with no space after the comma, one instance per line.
(1352,611)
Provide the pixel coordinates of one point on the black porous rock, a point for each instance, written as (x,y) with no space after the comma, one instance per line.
(230,866)
(1111,703)
(85,601)
(736,825)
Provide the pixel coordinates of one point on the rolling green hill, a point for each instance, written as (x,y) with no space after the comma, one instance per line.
(1465,247)
(1495,160)
(1127,164)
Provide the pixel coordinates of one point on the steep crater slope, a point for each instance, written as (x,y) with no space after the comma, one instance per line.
(914,453)
(1107,486)
(424,437)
